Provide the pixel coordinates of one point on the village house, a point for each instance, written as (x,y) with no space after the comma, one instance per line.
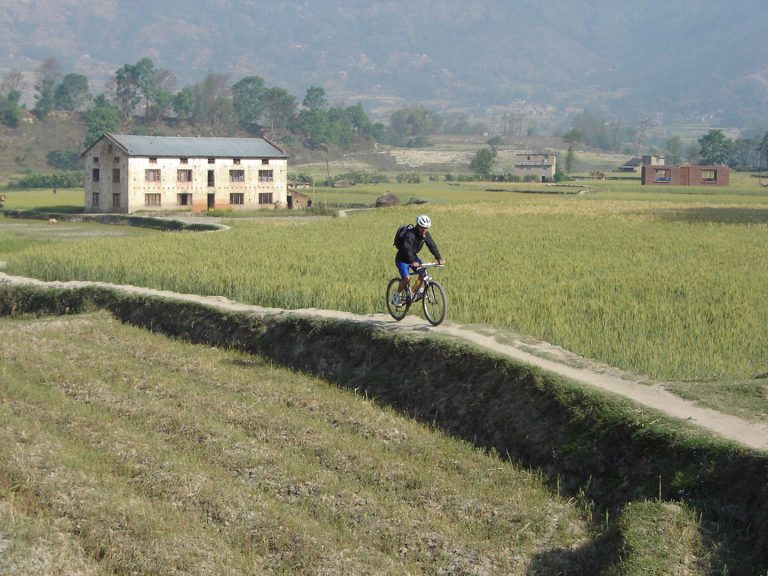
(126,174)
(542,165)
(685,175)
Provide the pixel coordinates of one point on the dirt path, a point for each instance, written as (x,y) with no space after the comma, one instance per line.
(545,356)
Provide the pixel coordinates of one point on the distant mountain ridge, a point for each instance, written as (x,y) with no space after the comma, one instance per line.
(689,58)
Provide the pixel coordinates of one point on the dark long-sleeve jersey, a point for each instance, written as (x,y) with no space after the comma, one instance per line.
(413,242)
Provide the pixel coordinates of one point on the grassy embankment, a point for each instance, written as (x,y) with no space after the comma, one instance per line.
(162,457)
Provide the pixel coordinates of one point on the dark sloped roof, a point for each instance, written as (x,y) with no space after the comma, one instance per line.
(196,147)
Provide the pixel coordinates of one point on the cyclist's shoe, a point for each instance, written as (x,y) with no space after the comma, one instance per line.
(408,297)
(396,299)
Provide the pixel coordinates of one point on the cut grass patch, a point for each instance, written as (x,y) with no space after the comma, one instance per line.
(150,456)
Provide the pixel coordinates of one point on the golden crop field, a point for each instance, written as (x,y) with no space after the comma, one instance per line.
(667,283)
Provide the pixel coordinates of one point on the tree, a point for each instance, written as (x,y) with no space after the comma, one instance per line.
(570,159)
(315,99)
(164,88)
(10,113)
(127,93)
(212,105)
(48,73)
(763,150)
(482,163)
(413,122)
(102,118)
(13,81)
(314,123)
(183,102)
(248,100)
(134,83)
(72,93)
(279,108)
(674,150)
(716,148)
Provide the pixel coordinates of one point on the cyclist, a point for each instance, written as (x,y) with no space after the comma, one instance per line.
(406,259)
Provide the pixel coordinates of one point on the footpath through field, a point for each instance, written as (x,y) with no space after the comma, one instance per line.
(540,354)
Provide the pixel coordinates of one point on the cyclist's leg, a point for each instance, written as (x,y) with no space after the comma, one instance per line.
(403,269)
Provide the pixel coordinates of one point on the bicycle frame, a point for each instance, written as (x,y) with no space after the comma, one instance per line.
(429,292)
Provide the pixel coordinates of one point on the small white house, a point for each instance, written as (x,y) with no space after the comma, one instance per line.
(542,165)
(125,173)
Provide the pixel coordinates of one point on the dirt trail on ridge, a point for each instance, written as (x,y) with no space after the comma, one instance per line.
(524,349)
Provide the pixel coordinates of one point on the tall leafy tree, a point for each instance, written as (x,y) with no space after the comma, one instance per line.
(410,123)
(674,148)
(102,118)
(163,94)
(716,148)
(248,100)
(212,105)
(183,103)
(72,93)
(127,94)
(134,83)
(482,163)
(315,98)
(279,108)
(48,74)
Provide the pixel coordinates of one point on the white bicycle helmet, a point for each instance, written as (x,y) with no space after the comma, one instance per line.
(423,221)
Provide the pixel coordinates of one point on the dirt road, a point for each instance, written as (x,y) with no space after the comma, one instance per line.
(545,356)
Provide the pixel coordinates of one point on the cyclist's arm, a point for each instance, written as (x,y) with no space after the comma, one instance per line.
(433,247)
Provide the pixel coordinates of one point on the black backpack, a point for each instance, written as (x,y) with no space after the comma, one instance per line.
(400,235)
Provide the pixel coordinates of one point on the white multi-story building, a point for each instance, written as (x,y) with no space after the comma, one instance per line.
(126,174)
(542,165)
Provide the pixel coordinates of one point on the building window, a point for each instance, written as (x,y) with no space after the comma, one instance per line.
(236,160)
(211,160)
(95,199)
(115,200)
(237,198)
(265,176)
(265,197)
(117,160)
(95,175)
(662,176)
(708,176)
(265,161)
(184,160)
(115,174)
(151,199)
(109,148)
(152,175)
(153,160)
(184,199)
(184,175)
(237,175)
(95,159)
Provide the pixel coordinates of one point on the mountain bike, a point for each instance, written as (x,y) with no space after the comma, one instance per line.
(429,292)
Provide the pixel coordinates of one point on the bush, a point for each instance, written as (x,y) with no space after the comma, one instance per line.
(52,180)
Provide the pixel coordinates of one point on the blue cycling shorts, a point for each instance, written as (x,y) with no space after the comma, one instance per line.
(404,268)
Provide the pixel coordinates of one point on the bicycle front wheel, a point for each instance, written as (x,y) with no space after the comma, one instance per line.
(400,309)
(434,303)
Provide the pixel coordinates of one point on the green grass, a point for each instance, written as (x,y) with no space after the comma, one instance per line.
(665,283)
(143,455)
(660,288)
(43,199)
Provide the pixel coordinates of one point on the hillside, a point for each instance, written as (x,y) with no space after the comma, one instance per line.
(637,60)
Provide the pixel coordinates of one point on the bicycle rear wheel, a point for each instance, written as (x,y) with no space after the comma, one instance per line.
(397,311)
(434,303)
